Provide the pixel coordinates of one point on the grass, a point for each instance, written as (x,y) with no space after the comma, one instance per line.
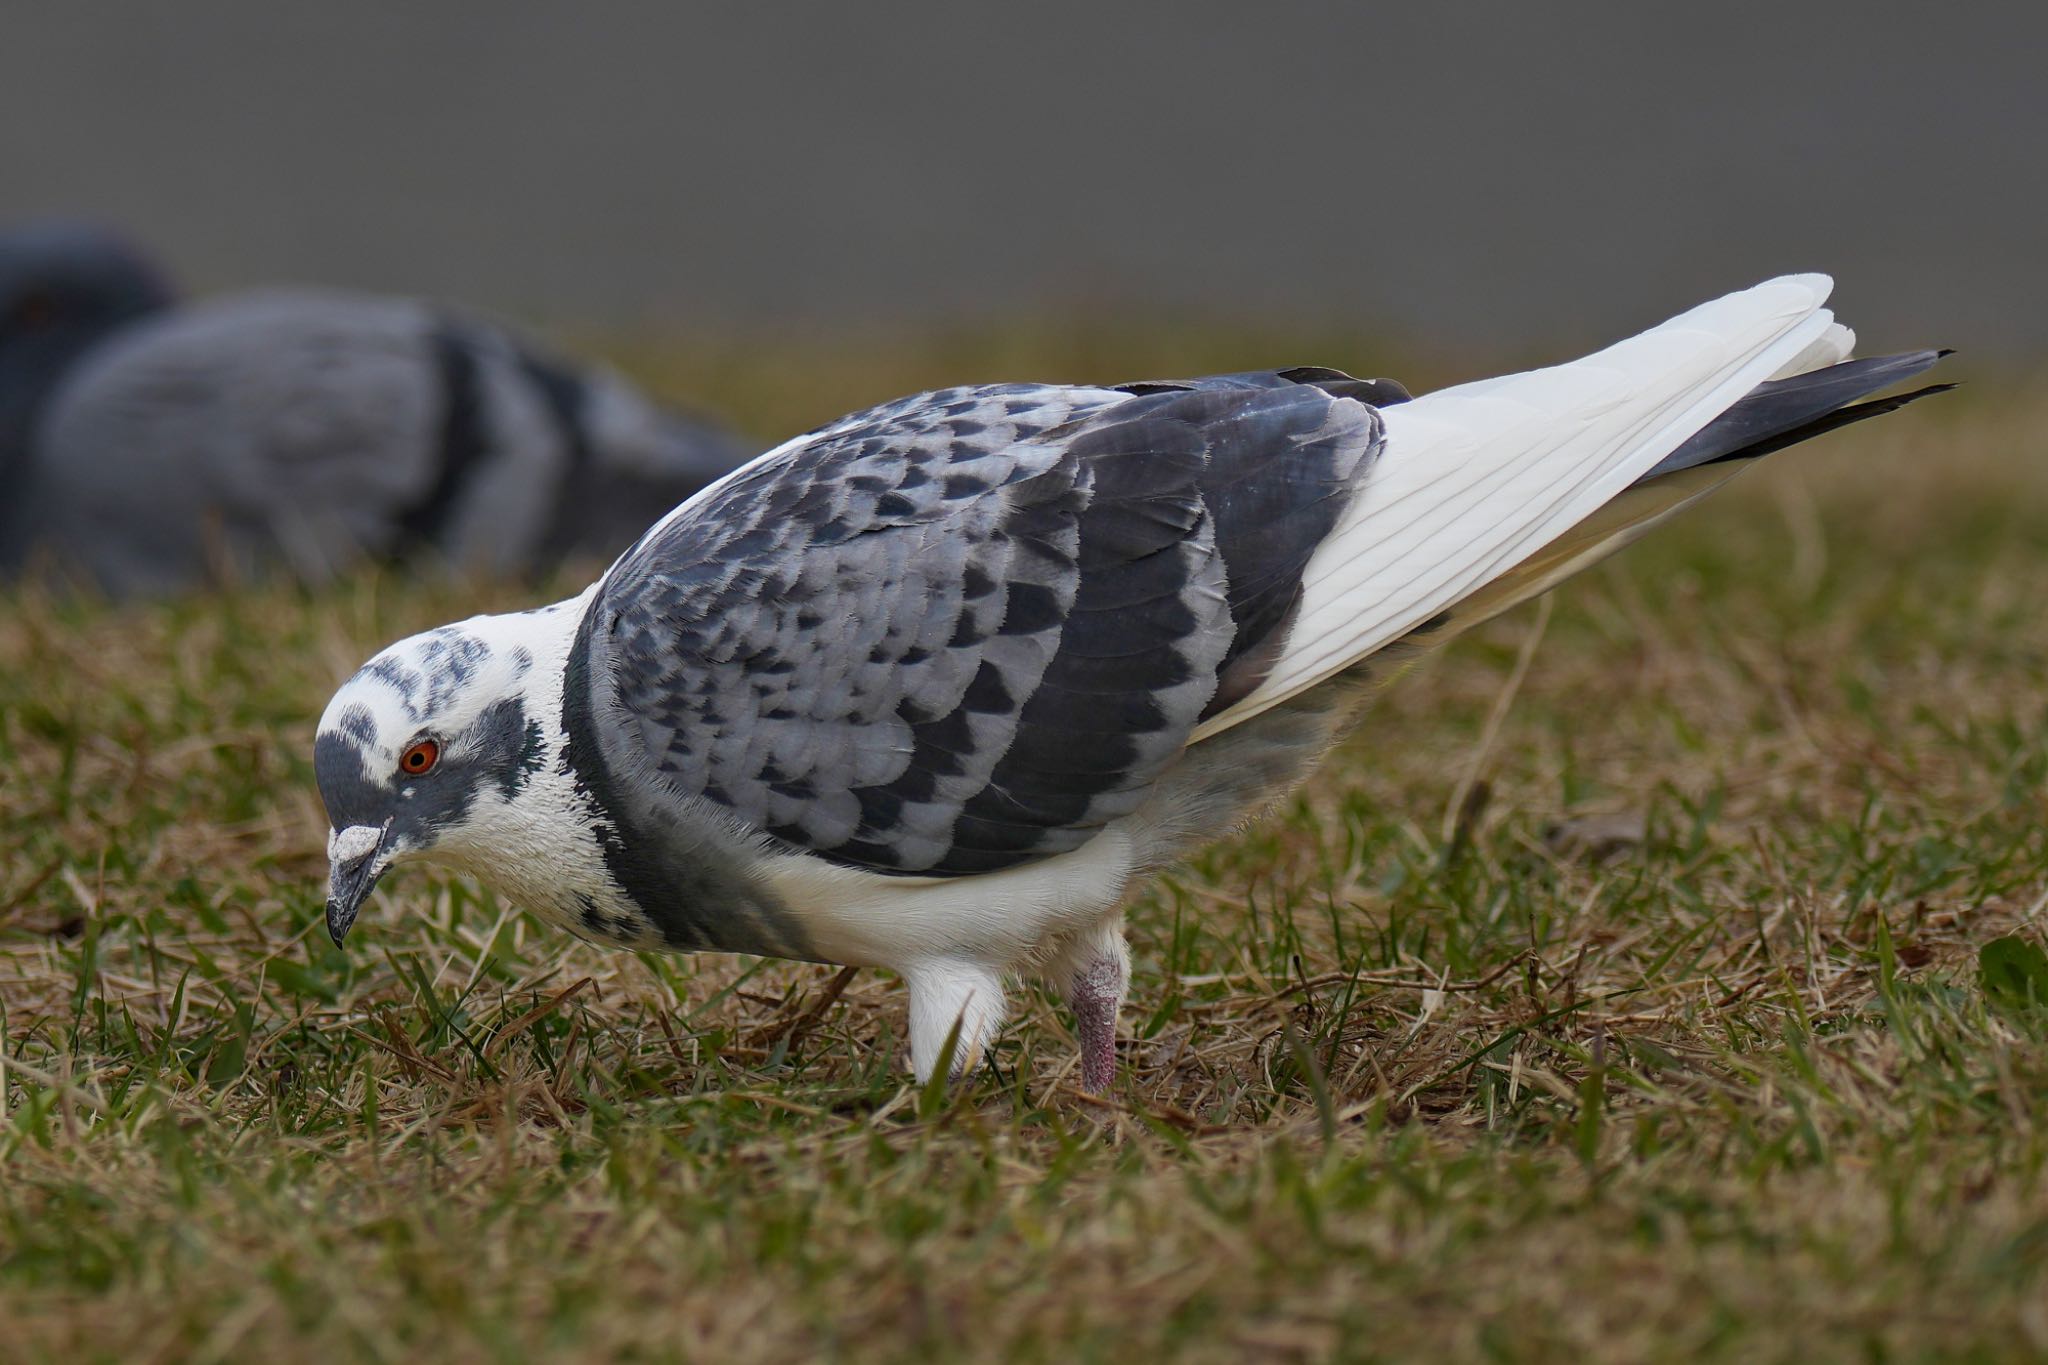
(1668,1040)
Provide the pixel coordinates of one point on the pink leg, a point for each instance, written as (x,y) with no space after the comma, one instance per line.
(1096,993)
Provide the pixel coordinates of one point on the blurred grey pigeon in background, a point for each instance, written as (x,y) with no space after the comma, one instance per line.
(142,441)
(931,687)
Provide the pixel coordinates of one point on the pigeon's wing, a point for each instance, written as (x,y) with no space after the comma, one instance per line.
(968,629)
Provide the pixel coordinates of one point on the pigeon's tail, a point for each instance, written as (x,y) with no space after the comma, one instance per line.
(1775,415)
(1489,493)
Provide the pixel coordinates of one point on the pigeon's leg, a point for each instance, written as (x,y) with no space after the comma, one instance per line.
(1094,978)
(945,992)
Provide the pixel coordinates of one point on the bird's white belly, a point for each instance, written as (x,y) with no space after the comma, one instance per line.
(1009,919)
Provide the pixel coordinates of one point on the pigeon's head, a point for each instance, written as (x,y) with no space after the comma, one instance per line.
(428,751)
(63,287)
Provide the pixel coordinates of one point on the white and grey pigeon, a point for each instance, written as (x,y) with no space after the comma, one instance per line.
(143,442)
(933,686)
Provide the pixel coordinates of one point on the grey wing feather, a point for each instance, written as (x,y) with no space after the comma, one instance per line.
(968,629)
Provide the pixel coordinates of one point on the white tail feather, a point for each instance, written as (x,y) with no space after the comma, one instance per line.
(1832,348)
(1615,526)
(1477,479)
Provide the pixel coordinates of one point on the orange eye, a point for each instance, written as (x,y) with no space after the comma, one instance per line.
(420,757)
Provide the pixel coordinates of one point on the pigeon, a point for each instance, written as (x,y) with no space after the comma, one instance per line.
(932,687)
(152,445)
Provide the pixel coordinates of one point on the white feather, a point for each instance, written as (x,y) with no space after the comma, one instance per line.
(1476,479)
(1831,348)
(1615,526)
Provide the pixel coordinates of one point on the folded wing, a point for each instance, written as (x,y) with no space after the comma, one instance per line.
(970,629)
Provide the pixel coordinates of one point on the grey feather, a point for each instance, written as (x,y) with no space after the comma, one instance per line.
(883,645)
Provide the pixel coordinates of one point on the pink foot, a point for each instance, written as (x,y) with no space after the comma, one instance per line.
(1095,996)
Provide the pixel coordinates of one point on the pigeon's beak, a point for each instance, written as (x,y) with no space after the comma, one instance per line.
(355,858)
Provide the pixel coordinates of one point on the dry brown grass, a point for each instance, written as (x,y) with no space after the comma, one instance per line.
(1672,1045)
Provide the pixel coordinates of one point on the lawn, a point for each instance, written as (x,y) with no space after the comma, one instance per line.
(1614,994)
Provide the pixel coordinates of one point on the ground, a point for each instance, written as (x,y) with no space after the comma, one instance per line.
(1614,994)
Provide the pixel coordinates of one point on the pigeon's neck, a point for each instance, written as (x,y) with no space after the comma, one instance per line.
(596,851)
(537,846)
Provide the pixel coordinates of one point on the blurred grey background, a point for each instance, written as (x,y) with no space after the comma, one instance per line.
(1490,176)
